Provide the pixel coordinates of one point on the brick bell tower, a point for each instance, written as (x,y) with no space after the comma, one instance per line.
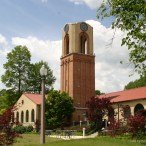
(78,66)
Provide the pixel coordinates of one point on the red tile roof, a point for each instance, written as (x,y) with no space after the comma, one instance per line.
(126,95)
(36,98)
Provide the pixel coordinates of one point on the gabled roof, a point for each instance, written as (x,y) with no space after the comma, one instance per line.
(36,98)
(126,95)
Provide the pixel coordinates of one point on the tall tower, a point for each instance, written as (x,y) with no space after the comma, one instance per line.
(78,65)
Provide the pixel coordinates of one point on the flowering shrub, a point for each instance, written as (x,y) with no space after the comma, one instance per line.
(137,125)
(7,135)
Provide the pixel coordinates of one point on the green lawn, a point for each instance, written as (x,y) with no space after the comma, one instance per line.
(33,140)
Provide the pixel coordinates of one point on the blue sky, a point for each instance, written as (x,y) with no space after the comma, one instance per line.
(41,18)
(38,24)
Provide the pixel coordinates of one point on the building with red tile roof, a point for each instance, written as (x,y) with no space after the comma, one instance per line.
(28,109)
(126,95)
(135,99)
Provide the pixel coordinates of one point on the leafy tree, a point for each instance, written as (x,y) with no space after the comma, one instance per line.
(7,99)
(97,109)
(34,82)
(137,83)
(17,67)
(59,109)
(98,92)
(130,16)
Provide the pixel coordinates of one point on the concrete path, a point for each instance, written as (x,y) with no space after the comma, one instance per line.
(75,137)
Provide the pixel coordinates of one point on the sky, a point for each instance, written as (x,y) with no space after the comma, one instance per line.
(38,25)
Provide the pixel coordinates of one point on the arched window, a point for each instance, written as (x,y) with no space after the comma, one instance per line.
(27,116)
(66,44)
(126,111)
(22,117)
(32,115)
(84,43)
(138,108)
(17,117)
(13,117)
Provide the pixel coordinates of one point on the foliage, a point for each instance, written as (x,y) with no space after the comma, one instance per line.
(137,83)
(17,67)
(98,92)
(97,109)
(23,129)
(35,78)
(59,108)
(7,135)
(129,16)
(21,75)
(7,99)
(137,125)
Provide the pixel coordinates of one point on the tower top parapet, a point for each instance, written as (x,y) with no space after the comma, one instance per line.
(77,38)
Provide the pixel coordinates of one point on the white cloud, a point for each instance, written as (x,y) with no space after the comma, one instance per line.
(93,4)
(3,52)
(109,73)
(3,42)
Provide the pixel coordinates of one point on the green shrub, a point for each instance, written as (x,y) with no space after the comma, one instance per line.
(29,128)
(23,129)
(19,129)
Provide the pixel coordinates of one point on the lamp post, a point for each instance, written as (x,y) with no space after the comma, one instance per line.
(43,73)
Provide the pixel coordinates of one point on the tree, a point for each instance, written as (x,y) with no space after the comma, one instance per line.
(98,92)
(59,109)
(137,83)
(34,82)
(97,109)
(17,67)
(7,99)
(130,16)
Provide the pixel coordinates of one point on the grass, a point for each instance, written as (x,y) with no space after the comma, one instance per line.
(34,140)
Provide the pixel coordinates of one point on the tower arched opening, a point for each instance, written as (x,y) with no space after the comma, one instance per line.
(84,43)
(66,44)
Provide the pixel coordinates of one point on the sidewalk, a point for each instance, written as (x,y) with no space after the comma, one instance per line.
(74,137)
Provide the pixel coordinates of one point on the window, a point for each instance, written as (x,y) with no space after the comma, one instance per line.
(66,44)
(22,101)
(17,117)
(32,115)
(138,108)
(84,43)
(22,117)
(27,116)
